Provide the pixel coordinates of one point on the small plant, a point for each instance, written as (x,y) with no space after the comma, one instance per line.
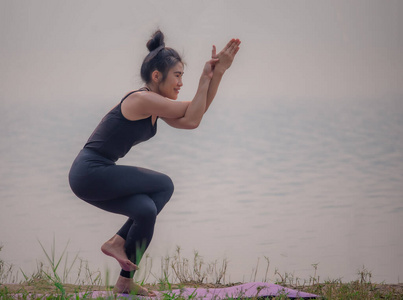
(267,269)
(198,274)
(287,279)
(6,271)
(365,275)
(254,271)
(183,271)
(314,279)
(220,272)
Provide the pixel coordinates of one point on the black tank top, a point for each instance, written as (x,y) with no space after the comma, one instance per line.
(115,135)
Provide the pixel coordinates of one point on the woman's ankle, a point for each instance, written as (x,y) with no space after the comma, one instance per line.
(118,240)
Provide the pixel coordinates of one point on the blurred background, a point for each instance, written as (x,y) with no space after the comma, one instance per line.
(299,159)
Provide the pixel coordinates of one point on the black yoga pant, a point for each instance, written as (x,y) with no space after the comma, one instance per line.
(137,193)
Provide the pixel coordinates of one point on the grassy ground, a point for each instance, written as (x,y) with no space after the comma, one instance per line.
(51,279)
(328,290)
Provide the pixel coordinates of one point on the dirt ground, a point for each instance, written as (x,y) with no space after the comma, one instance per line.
(44,287)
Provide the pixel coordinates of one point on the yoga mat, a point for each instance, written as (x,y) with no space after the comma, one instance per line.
(245,291)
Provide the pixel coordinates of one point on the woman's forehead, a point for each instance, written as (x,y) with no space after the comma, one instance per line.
(177,68)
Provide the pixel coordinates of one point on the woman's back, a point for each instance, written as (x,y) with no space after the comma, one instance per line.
(115,135)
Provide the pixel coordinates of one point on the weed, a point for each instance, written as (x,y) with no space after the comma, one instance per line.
(51,279)
(365,275)
(177,269)
(7,271)
(267,269)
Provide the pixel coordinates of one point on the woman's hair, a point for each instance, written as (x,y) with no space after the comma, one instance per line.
(160,58)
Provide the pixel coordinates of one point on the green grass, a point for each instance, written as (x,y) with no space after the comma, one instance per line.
(60,277)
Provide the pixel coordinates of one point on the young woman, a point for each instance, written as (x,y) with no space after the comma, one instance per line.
(135,192)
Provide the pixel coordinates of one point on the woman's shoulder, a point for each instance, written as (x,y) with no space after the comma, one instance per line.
(142,104)
(133,94)
(131,105)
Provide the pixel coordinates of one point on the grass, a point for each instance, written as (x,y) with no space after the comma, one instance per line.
(362,288)
(63,278)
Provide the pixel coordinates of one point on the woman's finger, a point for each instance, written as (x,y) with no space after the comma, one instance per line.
(227,46)
(234,43)
(234,47)
(213,61)
(236,51)
(214,52)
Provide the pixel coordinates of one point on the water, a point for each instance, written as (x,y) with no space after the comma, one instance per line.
(299,182)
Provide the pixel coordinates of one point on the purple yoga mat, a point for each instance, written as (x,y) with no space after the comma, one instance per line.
(247,290)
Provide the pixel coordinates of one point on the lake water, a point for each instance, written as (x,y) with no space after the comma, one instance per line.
(298,182)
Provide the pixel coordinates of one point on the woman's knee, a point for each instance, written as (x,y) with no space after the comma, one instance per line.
(144,211)
(167,184)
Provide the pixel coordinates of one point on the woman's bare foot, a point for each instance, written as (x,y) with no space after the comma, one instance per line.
(128,286)
(115,247)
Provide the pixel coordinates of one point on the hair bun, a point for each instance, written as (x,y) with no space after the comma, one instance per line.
(156,41)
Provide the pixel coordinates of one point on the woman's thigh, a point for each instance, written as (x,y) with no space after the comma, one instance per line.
(121,181)
(106,182)
(139,207)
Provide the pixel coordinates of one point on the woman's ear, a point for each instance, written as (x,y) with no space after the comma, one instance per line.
(156,76)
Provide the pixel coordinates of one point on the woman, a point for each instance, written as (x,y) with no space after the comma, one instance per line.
(135,192)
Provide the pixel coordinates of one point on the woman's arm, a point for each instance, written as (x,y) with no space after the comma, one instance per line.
(225,59)
(178,114)
(195,110)
(213,87)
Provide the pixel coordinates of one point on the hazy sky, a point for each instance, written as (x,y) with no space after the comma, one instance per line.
(75,50)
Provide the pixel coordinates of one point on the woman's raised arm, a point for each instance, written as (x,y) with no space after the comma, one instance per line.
(179,114)
(225,59)
(195,111)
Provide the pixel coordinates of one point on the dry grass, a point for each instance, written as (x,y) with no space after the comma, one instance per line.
(51,279)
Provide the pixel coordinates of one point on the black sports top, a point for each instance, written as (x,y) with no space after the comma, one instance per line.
(115,135)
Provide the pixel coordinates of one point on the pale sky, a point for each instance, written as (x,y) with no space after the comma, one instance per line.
(75,50)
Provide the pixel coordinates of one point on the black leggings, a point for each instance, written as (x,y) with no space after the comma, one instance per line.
(135,192)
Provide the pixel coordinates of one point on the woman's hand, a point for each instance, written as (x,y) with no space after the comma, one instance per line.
(222,60)
(226,55)
(209,68)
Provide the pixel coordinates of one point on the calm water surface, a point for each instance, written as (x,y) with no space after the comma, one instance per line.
(298,182)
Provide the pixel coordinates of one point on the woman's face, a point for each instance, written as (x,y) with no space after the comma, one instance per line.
(171,85)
